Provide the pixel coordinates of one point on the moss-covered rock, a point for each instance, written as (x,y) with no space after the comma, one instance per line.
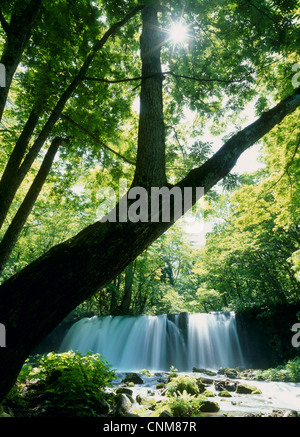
(231,373)
(225,394)
(182,383)
(146,401)
(247,389)
(133,377)
(208,394)
(206,371)
(209,407)
(125,390)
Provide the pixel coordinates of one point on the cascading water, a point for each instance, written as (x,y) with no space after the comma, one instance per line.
(158,342)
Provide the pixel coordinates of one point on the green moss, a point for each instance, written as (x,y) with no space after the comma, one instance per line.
(247,389)
(225,394)
(182,383)
(209,407)
(208,394)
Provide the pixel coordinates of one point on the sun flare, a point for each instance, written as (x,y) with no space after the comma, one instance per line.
(178,33)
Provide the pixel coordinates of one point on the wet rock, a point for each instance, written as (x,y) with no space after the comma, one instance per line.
(123,405)
(291,413)
(225,394)
(125,390)
(247,389)
(231,373)
(206,371)
(225,384)
(209,407)
(208,394)
(207,381)
(230,385)
(219,385)
(133,377)
(146,401)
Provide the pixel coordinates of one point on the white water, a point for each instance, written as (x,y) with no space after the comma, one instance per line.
(210,341)
(157,343)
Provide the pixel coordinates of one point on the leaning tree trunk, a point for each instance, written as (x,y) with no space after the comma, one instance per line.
(35,301)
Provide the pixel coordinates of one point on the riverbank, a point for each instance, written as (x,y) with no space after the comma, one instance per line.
(202,392)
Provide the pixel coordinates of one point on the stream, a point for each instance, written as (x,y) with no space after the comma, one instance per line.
(274,396)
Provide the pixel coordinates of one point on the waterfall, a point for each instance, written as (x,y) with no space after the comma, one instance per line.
(158,342)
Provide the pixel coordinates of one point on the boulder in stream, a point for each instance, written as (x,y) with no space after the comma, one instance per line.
(133,377)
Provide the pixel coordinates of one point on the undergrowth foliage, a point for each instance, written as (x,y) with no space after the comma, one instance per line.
(70,382)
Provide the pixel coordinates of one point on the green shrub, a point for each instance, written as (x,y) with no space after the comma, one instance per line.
(293,366)
(290,372)
(70,383)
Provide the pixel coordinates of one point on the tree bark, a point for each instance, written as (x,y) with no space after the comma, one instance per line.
(35,300)
(13,231)
(150,162)
(18,33)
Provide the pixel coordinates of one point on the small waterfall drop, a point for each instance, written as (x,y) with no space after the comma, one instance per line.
(158,342)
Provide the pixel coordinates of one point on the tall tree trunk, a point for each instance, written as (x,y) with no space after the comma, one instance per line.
(18,33)
(34,301)
(13,231)
(150,162)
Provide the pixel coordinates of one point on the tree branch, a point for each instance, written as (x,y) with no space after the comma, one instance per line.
(98,79)
(180,76)
(222,162)
(59,107)
(4,23)
(90,134)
